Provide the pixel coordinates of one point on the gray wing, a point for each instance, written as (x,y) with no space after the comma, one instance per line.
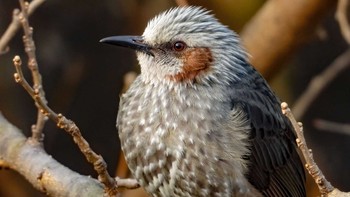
(275,168)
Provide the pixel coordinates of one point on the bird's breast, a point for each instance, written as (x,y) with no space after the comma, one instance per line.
(164,134)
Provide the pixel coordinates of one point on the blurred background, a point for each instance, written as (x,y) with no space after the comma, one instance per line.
(83,79)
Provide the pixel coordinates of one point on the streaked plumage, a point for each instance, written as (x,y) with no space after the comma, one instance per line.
(200,120)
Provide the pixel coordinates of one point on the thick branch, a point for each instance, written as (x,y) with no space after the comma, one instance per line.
(38,95)
(40,169)
(279,28)
(69,126)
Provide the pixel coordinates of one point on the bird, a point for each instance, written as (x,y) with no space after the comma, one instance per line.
(199,120)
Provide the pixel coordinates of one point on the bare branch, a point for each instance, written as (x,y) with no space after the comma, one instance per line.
(320,82)
(38,95)
(330,126)
(127,183)
(341,15)
(338,193)
(29,45)
(39,168)
(279,28)
(15,24)
(70,127)
(324,186)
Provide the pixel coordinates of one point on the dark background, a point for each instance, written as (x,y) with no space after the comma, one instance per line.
(83,79)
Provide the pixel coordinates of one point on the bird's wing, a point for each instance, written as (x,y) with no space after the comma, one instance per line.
(275,168)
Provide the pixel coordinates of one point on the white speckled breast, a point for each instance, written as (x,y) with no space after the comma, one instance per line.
(183,140)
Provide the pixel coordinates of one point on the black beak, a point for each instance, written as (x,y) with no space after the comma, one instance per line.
(133,42)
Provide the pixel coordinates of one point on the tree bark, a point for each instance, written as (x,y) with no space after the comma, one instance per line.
(39,168)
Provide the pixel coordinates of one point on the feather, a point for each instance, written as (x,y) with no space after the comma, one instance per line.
(275,168)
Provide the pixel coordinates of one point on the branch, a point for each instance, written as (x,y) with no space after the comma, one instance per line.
(44,172)
(335,127)
(342,16)
(324,186)
(320,82)
(70,127)
(127,183)
(338,193)
(39,168)
(15,25)
(279,28)
(37,129)
(38,95)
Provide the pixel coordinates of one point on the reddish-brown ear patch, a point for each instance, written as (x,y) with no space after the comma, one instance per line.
(195,60)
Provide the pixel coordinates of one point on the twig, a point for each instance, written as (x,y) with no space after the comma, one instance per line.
(15,24)
(38,95)
(182,2)
(127,183)
(320,82)
(332,126)
(70,127)
(29,45)
(324,186)
(342,16)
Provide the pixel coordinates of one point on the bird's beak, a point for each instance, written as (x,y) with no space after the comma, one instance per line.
(133,42)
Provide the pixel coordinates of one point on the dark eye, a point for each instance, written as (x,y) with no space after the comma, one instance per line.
(179,46)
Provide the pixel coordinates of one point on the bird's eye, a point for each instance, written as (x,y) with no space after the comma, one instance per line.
(179,46)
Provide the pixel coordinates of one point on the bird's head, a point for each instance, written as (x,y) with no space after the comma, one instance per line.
(186,45)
